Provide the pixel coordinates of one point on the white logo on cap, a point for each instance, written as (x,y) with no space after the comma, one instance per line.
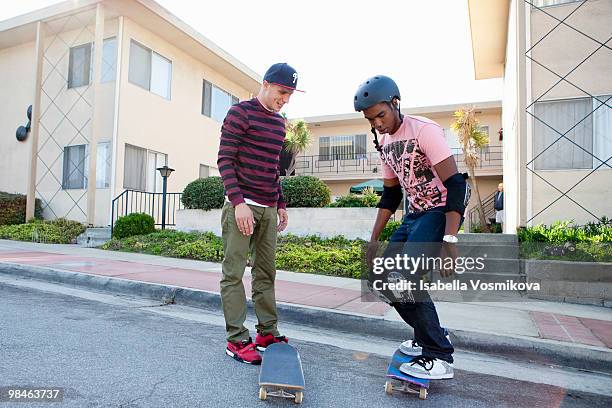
(294,77)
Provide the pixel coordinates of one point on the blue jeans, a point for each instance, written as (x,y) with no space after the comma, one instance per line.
(427,226)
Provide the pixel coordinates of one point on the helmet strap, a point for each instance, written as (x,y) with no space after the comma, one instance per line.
(376,144)
(401,116)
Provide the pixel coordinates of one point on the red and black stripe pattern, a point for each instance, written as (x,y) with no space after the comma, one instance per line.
(251,141)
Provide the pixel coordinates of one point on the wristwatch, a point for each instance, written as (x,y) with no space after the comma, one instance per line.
(451,239)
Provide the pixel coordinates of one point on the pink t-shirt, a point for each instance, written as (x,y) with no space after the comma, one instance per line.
(410,155)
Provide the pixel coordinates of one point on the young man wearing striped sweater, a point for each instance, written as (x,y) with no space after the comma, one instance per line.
(252,137)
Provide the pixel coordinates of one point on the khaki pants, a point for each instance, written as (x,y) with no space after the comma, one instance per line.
(236,246)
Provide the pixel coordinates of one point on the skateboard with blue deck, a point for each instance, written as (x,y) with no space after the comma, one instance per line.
(398,381)
(281,373)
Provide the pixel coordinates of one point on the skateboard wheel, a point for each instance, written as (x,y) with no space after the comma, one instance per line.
(299,396)
(423,393)
(262,393)
(389,387)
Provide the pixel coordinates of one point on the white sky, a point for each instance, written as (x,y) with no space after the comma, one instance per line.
(336,44)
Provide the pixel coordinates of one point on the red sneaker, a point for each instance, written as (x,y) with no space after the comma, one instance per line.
(243,351)
(262,341)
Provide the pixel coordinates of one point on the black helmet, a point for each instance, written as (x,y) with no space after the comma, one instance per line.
(377,89)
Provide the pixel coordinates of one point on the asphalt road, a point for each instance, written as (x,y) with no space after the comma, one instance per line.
(138,354)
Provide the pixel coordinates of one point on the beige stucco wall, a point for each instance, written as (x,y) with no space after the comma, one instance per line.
(493,120)
(349,172)
(17,68)
(594,195)
(341,188)
(175,127)
(564,48)
(561,51)
(16,92)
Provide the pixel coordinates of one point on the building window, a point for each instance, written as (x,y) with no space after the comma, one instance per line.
(149,70)
(592,134)
(135,168)
(343,147)
(73,176)
(216,102)
(76,166)
(154,179)
(602,132)
(103,165)
(80,65)
(558,117)
(109,60)
(452,139)
(204,171)
(546,3)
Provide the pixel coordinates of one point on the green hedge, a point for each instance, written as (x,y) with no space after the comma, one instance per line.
(357,200)
(305,191)
(566,241)
(204,194)
(566,231)
(336,256)
(59,231)
(389,230)
(13,209)
(205,247)
(133,224)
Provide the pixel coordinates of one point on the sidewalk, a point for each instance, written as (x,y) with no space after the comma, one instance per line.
(534,325)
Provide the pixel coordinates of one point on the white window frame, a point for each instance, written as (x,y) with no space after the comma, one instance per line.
(66,177)
(154,182)
(539,3)
(343,147)
(208,101)
(592,148)
(109,69)
(151,71)
(101,161)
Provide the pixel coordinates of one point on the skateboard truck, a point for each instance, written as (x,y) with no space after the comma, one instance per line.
(263,394)
(407,388)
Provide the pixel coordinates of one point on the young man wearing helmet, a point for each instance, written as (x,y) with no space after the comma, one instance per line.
(417,161)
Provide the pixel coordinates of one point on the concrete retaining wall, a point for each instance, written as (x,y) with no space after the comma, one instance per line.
(572,282)
(325,222)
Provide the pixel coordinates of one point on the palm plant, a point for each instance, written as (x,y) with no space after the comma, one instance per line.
(472,138)
(297,140)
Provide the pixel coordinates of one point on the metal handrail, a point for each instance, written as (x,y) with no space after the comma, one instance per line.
(135,201)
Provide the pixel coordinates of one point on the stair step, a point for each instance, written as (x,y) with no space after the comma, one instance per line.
(488,238)
(93,237)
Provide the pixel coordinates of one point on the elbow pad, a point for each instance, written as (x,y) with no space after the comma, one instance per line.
(391,198)
(458,193)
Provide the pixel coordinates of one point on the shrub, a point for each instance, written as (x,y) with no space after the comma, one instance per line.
(389,230)
(60,231)
(566,231)
(305,191)
(13,209)
(204,194)
(133,224)
(565,241)
(357,200)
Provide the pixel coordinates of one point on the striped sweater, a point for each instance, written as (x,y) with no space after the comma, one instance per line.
(251,141)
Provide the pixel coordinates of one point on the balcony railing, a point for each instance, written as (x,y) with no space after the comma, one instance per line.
(491,158)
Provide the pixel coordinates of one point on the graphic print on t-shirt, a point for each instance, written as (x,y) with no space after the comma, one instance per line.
(421,186)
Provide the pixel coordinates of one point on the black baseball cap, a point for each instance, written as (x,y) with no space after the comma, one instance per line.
(282,74)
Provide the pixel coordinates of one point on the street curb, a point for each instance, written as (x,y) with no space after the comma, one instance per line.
(542,351)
